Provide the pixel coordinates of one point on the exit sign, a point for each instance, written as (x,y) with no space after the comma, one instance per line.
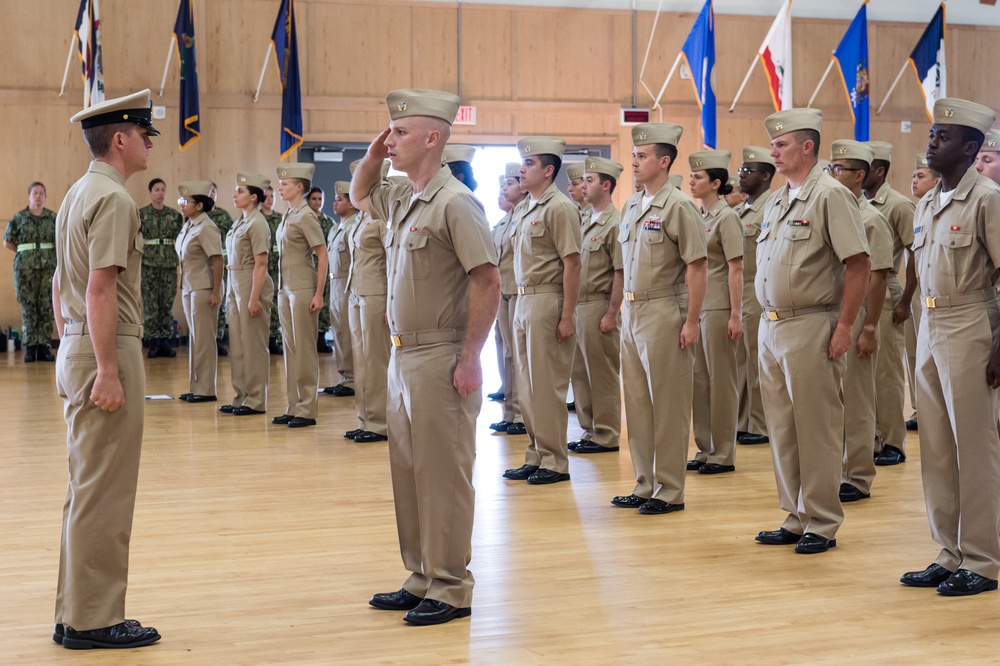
(634,116)
(466,115)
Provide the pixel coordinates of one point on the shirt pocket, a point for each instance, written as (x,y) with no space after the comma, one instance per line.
(537,238)
(958,252)
(795,245)
(416,260)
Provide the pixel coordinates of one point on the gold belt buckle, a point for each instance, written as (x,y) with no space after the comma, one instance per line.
(772,315)
(397,341)
(629,295)
(930,302)
(520,291)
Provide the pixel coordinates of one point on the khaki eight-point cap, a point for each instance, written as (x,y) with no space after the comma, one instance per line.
(846,149)
(135,108)
(992,142)
(429,103)
(251,179)
(881,150)
(541,145)
(704,160)
(605,166)
(954,111)
(645,134)
(793,120)
(300,170)
(454,152)
(756,154)
(190,188)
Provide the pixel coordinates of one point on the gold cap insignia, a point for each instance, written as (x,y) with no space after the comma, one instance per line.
(751,156)
(243,179)
(778,126)
(697,162)
(527,149)
(125,116)
(948,113)
(401,106)
(591,165)
(642,136)
(992,143)
(843,150)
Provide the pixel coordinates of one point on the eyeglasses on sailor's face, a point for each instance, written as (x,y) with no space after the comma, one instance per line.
(836,169)
(746,171)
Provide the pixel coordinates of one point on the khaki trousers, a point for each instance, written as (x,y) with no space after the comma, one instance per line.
(803,397)
(715,401)
(751,417)
(299,330)
(432,447)
(371,342)
(248,357)
(544,366)
(890,424)
(343,347)
(910,328)
(658,381)
(103,450)
(597,380)
(505,322)
(959,447)
(859,412)
(203,352)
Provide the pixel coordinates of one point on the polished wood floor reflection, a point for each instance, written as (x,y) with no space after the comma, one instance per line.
(259,544)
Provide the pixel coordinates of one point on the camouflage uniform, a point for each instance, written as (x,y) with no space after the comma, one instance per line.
(224,221)
(273,220)
(326,224)
(33,270)
(160,229)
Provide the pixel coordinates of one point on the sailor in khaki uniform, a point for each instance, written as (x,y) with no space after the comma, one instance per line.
(511,195)
(249,294)
(597,380)
(897,209)
(755,181)
(339,252)
(715,402)
(97,300)
(812,275)
(850,163)
(546,238)
(574,173)
(300,293)
(956,245)
(444,288)
(988,159)
(665,263)
(199,250)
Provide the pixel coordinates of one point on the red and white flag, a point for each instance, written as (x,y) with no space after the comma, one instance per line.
(776,56)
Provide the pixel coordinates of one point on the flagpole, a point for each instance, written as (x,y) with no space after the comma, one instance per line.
(892,87)
(263,69)
(821,82)
(744,84)
(652,32)
(166,66)
(69,59)
(656,102)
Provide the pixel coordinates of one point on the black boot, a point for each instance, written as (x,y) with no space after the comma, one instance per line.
(42,353)
(221,349)
(321,345)
(273,347)
(29,353)
(166,350)
(154,347)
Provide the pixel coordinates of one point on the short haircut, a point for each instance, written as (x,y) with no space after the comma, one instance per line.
(548,160)
(721,175)
(666,150)
(154,182)
(880,163)
(38,184)
(99,138)
(764,166)
(803,135)
(860,165)
(605,178)
(313,190)
(206,202)
(972,134)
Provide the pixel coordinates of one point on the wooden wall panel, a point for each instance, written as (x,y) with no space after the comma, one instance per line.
(487,53)
(435,48)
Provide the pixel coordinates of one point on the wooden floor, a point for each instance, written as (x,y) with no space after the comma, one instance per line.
(258,544)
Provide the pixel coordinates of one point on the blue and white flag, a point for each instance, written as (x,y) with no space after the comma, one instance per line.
(88,32)
(699,55)
(852,60)
(928,62)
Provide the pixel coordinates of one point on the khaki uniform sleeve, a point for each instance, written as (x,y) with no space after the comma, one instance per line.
(312,230)
(844,227)
(109,237)
(731,235)
(988,224)
(470,233)
(904,222)
(211,242)
(564,227)
(880,243)
(689,232)
(260,238)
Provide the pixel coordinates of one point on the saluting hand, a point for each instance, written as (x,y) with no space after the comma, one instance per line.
(107,392)
(378,150)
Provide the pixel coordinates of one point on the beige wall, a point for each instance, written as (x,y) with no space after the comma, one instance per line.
(523,78)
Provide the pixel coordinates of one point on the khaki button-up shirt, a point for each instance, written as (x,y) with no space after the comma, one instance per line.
(197,243)
(879,236)
(602,253)
(505,251)
(541,235)
(367,275)
(751,217)
(898,211)
(248,237)
(339,249)
(298,233)
(724,241)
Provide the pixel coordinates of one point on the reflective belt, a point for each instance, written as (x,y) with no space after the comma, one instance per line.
(652,294)
(27,247)
(426,337)
(73,328)
(980,296)
(788,313)
(159,241)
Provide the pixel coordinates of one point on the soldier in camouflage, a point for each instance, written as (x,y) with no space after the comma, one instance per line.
(160,225)
(31,236)
(273,220)
(315,200)
(224,221)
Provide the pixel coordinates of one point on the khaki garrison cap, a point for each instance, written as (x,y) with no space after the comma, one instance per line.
(792,120)
(676,180)
(342,187)
(845,149)
(457,153)
(430,103)
(709,159)
(134,108)
(758,155)
(920,162)
(574,170)
(300,170)
(954,111)
(881,150)
(645,134)
(512,170)
(734,182)
(190,188)
(540,145)
(605,166)
(251,179)
(992,142)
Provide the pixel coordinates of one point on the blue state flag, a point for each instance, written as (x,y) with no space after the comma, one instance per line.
(852,60)
(286,50)
(190,125)
(928,62)
(699,55)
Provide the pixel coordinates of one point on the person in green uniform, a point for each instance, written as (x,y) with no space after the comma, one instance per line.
(224,221)
(326,223)
(160,226)
(273,220)
(31,236)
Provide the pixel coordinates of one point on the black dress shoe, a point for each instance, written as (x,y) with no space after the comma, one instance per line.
(350,434)
(716,468)
(501,426)
(587,446)
(496,395)
(811,543)
(629,501)
(282,420)
(520,473)
(400,600)
(60,631)
(185,396)
(965,583)
(121,635)
(932,576)
(750,439)
(911,425)
(342,391)
(694,465)
(575,443)
(322,346)
(779,537)
(851,493)
(432,611)
(571,406)
(546,476)
(890,455)
(273,347)
(246,411)
(221,350)
(227,409)
(655,506)
(367,437)
(517,429)
(42,353)
(202,398)
(300,422)
(166,351)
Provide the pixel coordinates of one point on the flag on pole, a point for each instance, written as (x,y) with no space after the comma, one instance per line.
(88,32)
(851,56)
(699,55)
(928,62)
(190,120)
(776,55)
(286,50)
